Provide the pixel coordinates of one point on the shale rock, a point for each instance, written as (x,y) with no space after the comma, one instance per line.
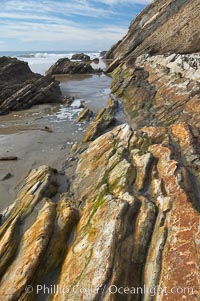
(103,53)
(139,222)
(31,227)
(65,66)
(159,90)
(65,220)
(132,230)
(136,186)
(20,88)
(156,75)
(39,182)
(85,115)
(102,121)
(80,56)
(163,26)
(12,69)
(32,247)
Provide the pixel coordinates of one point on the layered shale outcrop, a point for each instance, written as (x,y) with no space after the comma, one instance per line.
(66,66)
(80,56)
(159,90)
(33,234)
(135,206)
(163,26)
(102,121)
(128,226)
(20,88)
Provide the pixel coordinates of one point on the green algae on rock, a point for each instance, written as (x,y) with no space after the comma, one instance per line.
(102,121)
(133,216)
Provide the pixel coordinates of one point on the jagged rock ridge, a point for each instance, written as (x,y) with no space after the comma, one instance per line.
(139,213)
(159,90)
(163,26)
(20,88)
(66,66)
(134,198)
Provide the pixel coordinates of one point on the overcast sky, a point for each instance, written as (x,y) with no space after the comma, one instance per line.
(65,24)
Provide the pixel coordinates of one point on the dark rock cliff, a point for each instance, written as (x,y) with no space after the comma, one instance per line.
(20,88)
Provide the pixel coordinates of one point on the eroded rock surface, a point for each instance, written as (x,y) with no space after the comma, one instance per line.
(156,75)
(137,193)
(80,56)
(102,121)
(133,231)
(65,66)
(128,226)
(33,235)
(159,90)
(163,26)
(31,249)
(103,53)
(20,88)
(85,115)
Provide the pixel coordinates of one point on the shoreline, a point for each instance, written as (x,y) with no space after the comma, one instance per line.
(22,133)
(117,207)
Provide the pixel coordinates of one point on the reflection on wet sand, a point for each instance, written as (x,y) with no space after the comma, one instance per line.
(23,133)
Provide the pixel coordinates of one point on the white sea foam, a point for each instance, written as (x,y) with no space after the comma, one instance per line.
(67,113)
(77,103)
(56,55)
(41,61)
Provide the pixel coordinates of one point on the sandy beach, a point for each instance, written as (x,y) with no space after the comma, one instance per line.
(99,150)
(22,133)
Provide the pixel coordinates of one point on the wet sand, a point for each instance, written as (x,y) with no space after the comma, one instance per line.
(22,134)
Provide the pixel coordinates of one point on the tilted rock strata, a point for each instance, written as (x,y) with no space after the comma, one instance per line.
(12,69)
(92,253)
(20,88)
(163,26)
(66,219)
(8,245)
(138,220)
(39,183)
(137,186)
(102,121)
(156,75)
(40,91)
(85,115)
(159,90)
(33,241)
(80,56)
(31,250)
(65,66)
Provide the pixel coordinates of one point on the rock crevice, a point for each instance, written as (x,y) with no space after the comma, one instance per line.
(20,88)
(134,195)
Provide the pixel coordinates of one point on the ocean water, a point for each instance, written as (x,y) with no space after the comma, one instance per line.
(22,133)
(40,61)
(90,88)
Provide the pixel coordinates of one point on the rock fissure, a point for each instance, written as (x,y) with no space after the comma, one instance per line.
(132,207)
